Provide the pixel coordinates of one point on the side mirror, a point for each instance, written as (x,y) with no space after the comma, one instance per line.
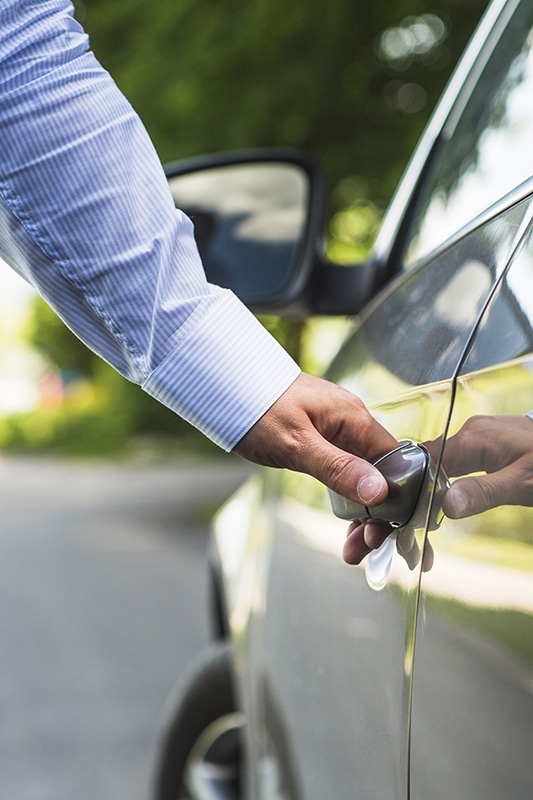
(259,221)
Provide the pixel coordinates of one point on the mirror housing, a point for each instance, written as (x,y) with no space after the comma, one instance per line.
(259,222)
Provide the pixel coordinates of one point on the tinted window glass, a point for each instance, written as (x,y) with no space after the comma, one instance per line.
(418,332)
(486,149)
(506,331)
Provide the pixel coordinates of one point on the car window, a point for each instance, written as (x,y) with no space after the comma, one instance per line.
(485,149)
(506,330)
(417,332)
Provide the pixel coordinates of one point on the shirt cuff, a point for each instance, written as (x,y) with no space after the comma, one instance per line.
(225,374)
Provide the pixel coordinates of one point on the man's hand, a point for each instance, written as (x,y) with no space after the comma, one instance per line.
(367,535)
(324,430)
(501,447)
(363,537)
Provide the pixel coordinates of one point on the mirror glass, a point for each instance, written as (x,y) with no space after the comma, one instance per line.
(249,222)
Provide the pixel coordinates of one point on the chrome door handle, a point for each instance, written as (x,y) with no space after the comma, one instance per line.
(410,473)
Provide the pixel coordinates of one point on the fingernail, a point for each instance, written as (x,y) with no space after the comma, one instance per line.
(369,487)
(459,501)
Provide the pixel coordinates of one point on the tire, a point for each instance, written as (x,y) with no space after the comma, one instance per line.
(200,750)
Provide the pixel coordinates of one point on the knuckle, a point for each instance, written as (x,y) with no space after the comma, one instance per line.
(474,426)
(298,447)
(336,469)
(474,438)
(488,496)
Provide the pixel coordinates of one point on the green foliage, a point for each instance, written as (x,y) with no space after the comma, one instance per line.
(48,335)
(352,231)
(288,332)
(71,430)
(101,412)
(213,75)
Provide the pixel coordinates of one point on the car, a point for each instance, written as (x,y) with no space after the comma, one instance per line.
(409,676)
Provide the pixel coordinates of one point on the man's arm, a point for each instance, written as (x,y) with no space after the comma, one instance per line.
(87,217)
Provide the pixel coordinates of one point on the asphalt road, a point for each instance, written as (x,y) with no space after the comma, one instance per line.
(102,605)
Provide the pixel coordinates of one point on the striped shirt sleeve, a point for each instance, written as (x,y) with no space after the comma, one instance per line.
(87,217)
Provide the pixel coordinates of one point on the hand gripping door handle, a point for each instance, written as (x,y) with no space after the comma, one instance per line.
(410,473)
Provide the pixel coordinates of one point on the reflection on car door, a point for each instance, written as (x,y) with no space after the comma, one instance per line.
(335,643)
(472,731)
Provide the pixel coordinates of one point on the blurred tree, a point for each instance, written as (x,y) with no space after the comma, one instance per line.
(51,338)
(349,81)
(93,421)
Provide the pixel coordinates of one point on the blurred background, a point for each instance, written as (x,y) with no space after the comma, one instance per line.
(106,495)
(350,82)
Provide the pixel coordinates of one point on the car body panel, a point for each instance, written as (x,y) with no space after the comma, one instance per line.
(473,690)
(354,683)
(336,642)
(315,641)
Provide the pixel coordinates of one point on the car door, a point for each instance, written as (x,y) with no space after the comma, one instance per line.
(473,678)
(472,731)
(327,651)
(331,646)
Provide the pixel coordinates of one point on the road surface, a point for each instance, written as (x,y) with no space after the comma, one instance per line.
(102,605)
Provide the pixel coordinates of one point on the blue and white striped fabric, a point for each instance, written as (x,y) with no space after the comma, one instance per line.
(86,216)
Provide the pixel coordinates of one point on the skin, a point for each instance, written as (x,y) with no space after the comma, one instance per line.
(499,447)
(322,429)
(363,537)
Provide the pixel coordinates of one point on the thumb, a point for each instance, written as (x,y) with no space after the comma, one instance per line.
(344,473)
(469,496)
